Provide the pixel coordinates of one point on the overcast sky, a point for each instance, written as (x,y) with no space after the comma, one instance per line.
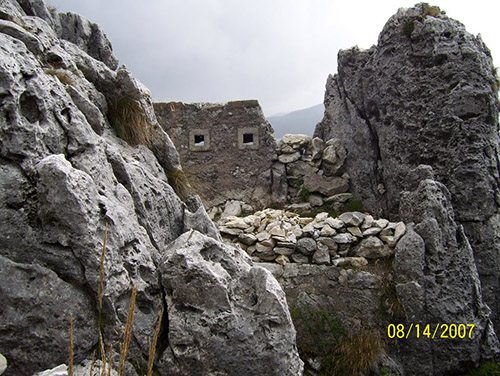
(277,51)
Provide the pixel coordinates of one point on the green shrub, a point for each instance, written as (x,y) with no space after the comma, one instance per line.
(304,193)
(319,334)
(486,369)
(129,120)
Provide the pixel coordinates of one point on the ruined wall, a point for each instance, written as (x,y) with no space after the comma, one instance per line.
(227,150)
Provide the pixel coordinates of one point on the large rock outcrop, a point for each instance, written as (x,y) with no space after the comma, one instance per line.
(426,94)
(65,176)
(438,283)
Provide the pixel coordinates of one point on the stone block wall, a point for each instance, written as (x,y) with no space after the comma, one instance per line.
(350,240)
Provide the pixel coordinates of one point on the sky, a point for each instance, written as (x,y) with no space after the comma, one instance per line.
(277,51)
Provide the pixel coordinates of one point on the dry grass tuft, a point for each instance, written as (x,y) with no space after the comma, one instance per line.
(152,345)
(360,352)
(129,120)
(62,75)
(100,292)
(430,10)
(128,331)
(71,346)
(180,183)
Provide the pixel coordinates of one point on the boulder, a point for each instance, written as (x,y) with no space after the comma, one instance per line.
(225,315)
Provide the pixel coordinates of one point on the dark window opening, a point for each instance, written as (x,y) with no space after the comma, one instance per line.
(199,140)
(248,139)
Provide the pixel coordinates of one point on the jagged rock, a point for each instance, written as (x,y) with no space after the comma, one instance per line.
(355,231)
(318,146)
(329,242)
(300,258)
(316,200)
(322,255)
(326,230)
(333,156)
(88,36)
(30,311)
(425,94)
(224,314)
(60,370)
(289,158)
(443,282)
(65,177)
(372,231)
(352,218)
(232,209)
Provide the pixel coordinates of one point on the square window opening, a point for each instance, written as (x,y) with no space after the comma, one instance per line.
(248,139)
(199,140)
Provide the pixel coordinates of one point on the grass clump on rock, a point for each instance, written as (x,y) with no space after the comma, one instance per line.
(129,120)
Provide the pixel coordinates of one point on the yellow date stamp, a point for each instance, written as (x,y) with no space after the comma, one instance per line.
(432,331)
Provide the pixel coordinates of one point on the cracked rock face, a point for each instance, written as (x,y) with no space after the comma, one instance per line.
(437,282)
(425,94)
(223,311)
(65,177)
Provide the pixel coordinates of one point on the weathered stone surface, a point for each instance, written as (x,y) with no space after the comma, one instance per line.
(355,262)
(327,186)
(224,314)
(443,282)
(352,218)
(296,141)
(334,156)
(228,165)
(65,176)
(36,305)
(306,246)
(426,94)
(344,238)
(247,239)
(321,256)
(289,158)
(372,247)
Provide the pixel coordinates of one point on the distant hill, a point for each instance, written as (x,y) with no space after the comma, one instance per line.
(301,121)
